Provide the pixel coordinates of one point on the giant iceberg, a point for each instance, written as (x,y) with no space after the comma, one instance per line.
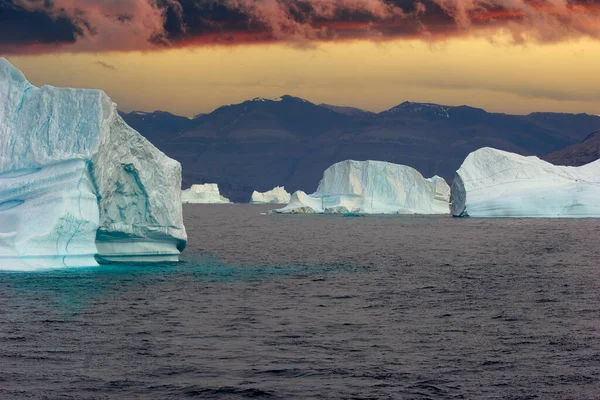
(495,183)
(207,193)
(78,185)
(277,195)
(373,187)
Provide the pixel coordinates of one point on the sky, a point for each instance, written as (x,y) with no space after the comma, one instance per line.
(192,56)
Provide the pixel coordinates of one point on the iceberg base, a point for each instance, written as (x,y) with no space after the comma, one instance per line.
(132,249)
(140,258)
(36,263)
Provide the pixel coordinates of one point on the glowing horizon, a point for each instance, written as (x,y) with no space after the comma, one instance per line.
(559,77)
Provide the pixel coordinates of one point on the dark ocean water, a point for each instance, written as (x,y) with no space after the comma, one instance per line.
(325,307)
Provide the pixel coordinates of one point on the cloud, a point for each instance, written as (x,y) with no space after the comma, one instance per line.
(102,25)
(24,30)
(146,25)
(105,65)
(529,90)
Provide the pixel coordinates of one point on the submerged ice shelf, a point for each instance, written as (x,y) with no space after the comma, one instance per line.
(77,184)
(207,193)
(495,183)
(373,187)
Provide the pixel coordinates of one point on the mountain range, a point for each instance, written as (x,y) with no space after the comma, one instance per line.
(262,143)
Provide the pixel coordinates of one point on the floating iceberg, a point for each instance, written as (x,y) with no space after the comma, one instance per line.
(77,184)
(373,187)
(495,183)
(207,193)
(277,195)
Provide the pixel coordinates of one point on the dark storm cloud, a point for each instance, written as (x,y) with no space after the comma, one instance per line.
(21,29)
(123,25)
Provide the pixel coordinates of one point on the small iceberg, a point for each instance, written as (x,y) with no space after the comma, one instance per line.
(277,195)
(207,193)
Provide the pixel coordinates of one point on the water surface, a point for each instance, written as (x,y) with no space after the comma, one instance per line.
(286,306)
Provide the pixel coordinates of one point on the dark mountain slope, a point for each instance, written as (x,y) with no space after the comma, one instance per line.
(158,126)
(578,154)
(350,111)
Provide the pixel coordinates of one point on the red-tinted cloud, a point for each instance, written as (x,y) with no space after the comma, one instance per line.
(123,25)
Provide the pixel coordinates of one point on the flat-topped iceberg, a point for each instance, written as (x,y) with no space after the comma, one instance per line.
(277,195)
(495,183)
(77,184)
(207,193)
(373,187)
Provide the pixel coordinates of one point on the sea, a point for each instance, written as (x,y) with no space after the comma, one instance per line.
(318,307)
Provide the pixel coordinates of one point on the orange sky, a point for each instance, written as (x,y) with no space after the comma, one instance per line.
(375,76)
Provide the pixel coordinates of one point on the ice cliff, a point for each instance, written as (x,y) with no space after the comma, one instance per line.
(373,187)
(77,184)
(207,193)
(277,195)
(495,183)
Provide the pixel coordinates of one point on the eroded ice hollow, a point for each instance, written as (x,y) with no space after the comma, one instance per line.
(495,183)
(207,193)
(78,186)
(373,187)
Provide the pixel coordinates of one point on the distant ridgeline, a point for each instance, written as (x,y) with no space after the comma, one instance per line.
(260,144)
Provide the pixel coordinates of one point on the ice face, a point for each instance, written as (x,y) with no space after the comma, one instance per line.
(207,193)
(32,236)
(77,184)
(277,195)
(140,197)
(495,183)
(442,190)
(373,187)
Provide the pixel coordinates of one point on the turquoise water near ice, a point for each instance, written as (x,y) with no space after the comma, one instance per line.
(72,289)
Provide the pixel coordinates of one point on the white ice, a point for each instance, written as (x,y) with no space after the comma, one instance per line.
(77,184)
(277,195)
(207,193)
(373,187)
(495,183)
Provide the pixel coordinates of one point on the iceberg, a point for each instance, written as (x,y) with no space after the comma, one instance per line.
(78,186)
(495,183)
(278,195)
(373,187)
(207,193)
